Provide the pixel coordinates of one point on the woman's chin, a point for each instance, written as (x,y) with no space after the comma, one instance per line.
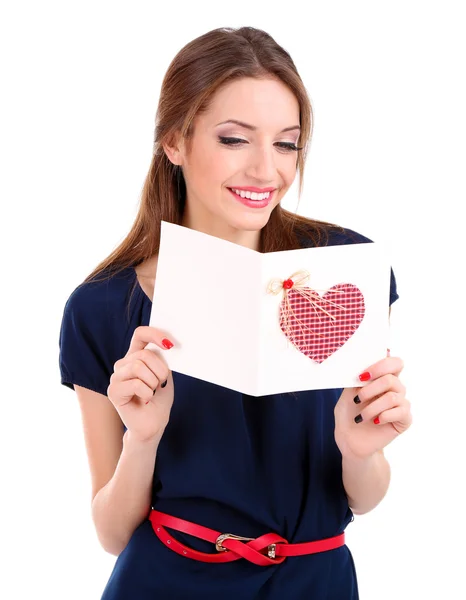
(250,222)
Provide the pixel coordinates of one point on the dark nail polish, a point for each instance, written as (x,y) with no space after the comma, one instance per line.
(358,419)
(164,383)
(357,400)
(154,391)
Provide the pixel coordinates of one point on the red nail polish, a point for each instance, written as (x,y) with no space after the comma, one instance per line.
(365,376)
(167,344)
(376,420)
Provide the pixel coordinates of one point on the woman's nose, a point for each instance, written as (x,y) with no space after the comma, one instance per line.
(262,166)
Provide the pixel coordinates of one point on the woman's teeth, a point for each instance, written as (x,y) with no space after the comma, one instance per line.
(251,195)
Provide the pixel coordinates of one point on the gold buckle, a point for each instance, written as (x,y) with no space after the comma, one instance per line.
(230,536)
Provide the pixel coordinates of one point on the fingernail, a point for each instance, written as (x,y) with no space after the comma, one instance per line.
(164,383)
(365,376)
(376,420)
(154,391)
(357,400)
(167,344)
(358,419)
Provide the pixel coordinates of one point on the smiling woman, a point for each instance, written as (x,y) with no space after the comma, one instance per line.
(178,462)
(233,113)
(257,152)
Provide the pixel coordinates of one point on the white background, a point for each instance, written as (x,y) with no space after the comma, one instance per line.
(80,84)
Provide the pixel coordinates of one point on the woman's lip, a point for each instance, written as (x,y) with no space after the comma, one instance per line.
(252,203)
(256,190)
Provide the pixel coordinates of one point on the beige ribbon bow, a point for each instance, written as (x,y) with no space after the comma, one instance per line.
(298,282)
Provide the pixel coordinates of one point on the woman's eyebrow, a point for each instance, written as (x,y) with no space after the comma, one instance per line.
(252,128)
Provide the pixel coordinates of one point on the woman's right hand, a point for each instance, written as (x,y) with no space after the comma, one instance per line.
(144,412)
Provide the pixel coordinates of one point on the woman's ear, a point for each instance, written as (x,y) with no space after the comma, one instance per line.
(174,150)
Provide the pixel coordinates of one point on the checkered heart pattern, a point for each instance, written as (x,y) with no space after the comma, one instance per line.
(312,331)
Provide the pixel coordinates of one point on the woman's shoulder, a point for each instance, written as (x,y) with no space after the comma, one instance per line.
(95,327)
(104,298)
(336,235)
(329,234)
(103,289)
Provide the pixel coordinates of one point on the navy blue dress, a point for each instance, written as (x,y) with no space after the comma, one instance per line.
(228,461)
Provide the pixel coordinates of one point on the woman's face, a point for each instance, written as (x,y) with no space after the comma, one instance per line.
(259,156)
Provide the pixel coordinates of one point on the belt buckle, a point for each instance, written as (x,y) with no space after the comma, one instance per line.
(231,536)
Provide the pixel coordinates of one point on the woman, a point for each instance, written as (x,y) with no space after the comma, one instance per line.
(176,461)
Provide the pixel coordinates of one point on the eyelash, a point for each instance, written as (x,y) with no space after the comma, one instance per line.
(231,141)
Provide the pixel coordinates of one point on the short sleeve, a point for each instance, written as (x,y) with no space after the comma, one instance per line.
(393,291)
(87,344)
(345,236)
(356,238)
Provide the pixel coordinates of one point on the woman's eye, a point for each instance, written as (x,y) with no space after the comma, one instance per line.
(230,141)
(288,146)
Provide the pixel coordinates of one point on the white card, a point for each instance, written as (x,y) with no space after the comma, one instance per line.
(211,300)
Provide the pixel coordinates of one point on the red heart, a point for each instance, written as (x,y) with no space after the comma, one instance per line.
(315,333)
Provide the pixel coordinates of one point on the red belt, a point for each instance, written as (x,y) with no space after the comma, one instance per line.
(268,549)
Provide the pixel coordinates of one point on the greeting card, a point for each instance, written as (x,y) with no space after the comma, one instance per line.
(260,324)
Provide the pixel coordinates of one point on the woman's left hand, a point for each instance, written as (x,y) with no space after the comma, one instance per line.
(363,428)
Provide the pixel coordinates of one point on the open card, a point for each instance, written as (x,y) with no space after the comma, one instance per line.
(262,324)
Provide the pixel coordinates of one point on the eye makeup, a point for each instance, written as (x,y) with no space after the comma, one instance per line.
(237,142)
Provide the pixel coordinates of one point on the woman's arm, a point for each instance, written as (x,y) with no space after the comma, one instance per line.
(366,481)
(122,471)
(125,501)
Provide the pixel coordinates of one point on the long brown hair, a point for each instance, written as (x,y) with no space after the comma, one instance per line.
(199,69)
